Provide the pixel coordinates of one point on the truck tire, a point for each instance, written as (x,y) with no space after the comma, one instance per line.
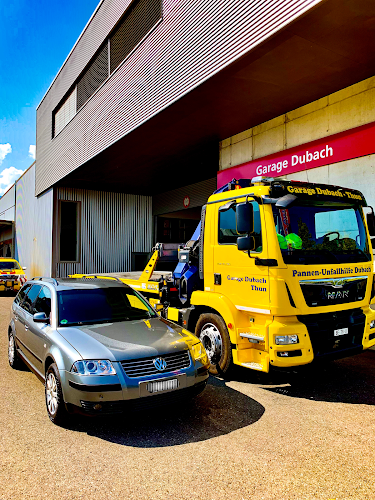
(212,332)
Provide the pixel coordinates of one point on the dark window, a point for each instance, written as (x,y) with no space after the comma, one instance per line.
(7,265)
(27,304)
(137,22)
(101,305)
(69,231)
(21,294)
(227,226)
(93,77)
(43,301)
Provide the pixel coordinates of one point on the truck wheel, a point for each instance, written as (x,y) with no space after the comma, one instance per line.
(212,332)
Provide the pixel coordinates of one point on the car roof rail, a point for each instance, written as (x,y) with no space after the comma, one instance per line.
(48,280)
(94,276)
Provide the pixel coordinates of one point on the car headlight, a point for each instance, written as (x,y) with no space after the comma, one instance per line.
(199,353)
(286,339)
(93,367)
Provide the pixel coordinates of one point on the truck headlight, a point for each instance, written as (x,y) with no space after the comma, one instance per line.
(286,339)
(93,367)
(199,353)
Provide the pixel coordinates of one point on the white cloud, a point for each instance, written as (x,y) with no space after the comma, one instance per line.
(4,150)
(32,151)
(7,177)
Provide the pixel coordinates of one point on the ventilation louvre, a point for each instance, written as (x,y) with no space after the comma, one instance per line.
(93,77)
(138,21)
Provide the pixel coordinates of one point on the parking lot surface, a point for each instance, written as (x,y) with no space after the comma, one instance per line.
(305,436)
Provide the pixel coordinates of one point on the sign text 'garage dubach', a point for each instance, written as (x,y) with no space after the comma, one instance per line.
(333,149)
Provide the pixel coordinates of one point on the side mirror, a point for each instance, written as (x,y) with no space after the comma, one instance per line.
(40,318)
(244,218)
(246,243)
(371,223)
(24,268)
(373,243)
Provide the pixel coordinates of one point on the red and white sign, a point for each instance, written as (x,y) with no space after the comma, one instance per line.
(186,201)
(346,145)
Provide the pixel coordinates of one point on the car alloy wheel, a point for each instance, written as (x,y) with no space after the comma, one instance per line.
(13,357)
(51,394)
(54,397)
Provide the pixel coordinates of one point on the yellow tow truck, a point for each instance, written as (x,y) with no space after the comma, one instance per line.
(277,274)
(12,275)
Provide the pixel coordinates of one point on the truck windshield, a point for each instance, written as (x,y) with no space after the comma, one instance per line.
(329,234)
(83,306)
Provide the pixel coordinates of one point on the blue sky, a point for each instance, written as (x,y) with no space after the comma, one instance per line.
(35,36)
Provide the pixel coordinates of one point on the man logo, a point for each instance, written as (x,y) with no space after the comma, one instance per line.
(160,364)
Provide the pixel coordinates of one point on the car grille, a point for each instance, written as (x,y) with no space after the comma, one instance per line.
(321,330)
(145,403)
(145,366)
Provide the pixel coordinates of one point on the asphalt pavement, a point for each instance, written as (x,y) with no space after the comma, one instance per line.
(299,436)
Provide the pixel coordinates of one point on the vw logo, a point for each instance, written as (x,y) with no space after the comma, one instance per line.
(160,364)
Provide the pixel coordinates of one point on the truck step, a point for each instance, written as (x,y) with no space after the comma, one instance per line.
(253,366)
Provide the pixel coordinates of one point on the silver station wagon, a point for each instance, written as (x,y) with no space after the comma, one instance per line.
(99,347)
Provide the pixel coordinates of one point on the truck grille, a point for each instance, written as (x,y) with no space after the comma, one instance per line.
(327,292)
(321,330)
(145,366)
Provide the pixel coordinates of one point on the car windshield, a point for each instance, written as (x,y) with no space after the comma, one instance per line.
(321,234)
(7,265)
(82,306)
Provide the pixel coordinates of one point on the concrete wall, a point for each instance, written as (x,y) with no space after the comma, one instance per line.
(343,110)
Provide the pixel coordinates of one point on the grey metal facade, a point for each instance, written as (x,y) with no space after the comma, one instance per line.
(7,204)
(193,41)
(113,225)
(172,201)
(33,226)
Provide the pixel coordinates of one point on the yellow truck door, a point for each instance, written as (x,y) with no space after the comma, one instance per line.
(236,274)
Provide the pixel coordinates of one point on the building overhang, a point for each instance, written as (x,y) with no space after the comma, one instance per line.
(327,49)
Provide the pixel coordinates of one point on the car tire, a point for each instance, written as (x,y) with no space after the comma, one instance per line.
(14,360)
(54,396)
(212,332)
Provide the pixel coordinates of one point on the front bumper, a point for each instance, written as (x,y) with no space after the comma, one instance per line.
(317,339)
(10,285)
(116,393)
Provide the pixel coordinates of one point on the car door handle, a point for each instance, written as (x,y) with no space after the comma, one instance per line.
(26,327)
(15,318)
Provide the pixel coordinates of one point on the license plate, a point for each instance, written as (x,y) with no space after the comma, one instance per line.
(340,331)
(162,385)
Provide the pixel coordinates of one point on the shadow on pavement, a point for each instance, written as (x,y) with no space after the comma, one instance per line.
(218,410)
(349,380)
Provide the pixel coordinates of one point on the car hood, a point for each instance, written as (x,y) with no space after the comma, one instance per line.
(127,339)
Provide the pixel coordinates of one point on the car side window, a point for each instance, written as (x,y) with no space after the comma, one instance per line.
(43,302)
(28,302)
(22,294)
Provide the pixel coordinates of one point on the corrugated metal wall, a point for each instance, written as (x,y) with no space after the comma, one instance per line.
(193,41)
(172,201)
(33,226)
(113,225)
(7,204)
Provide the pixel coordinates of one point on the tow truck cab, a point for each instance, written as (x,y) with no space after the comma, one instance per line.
(288,266)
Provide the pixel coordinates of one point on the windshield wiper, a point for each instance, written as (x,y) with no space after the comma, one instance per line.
(330,253)
(362,253)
